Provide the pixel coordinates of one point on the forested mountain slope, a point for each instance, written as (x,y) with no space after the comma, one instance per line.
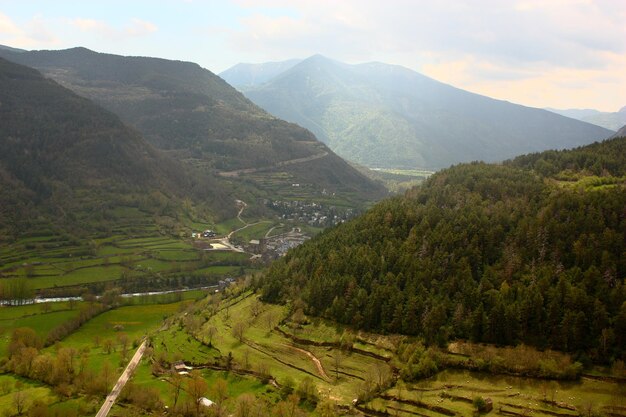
(194,115)
(532,251)
(65,161)
(381,115)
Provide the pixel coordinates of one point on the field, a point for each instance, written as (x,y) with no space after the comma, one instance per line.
(238,343)
(455,390)
(54,265)
(314,350)
(35,317)
(123,326)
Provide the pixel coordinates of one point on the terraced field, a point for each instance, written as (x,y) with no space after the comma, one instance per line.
(57,264)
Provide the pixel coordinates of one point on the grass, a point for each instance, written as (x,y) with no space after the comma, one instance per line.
(40,322)
(136,322)
(448,389)
(176,344)
(52,262)
(33,392)
(277,353)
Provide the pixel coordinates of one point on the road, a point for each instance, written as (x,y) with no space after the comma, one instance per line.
(237,172)
(110,400)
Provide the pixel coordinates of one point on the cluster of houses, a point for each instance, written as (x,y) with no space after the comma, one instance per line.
(223,283)
(276,246)
(312,213)
(206,234)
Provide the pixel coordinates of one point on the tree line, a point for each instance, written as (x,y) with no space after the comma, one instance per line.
(488,253)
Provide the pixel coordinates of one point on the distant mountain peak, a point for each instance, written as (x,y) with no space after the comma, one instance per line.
(383,115)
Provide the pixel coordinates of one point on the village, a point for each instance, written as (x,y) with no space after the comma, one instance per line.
(312,213)
(264,249)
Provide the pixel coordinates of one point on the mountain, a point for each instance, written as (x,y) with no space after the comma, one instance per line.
(620,133)
(8,48)
(609,120)
(198,118)
(382,115)
(64,161)
(247,75)
(531,251)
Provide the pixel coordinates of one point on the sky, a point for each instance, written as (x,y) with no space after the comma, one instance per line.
(542,53)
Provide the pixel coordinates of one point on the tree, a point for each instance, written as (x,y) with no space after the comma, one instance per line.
(124,341)
(337,360)
(106,375)
(19,398)
(108,346)
(176,383)
(211,331)
(38,409)
(479,404)
(326,409)
(239,330)
(256,308)
(219,391)
(270,320)
(247,406)
(307,391)
(196,388)
(5,386)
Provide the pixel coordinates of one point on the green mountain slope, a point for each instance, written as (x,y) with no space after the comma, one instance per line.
(194,115)
(532,251)
(64,160)
(388,116)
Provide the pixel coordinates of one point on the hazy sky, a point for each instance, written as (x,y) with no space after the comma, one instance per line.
(543,53)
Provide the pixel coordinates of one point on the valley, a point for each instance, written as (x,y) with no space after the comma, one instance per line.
(172,247)
(268,356)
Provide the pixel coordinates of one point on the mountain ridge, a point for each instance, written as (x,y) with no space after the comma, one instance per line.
(609,120)
(195,116)
(529,251)
(62,157)
(386,115)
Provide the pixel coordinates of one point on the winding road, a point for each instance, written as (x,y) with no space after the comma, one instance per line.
(119,385)
(237,172)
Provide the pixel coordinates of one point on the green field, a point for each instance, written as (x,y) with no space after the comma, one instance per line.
(32,316)
(454,390)
(340,364)
(50,263)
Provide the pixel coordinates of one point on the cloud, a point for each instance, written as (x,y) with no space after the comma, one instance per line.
(483,46)
(135,28)
(565,32)
(140,27)
(91,25)
(33,33)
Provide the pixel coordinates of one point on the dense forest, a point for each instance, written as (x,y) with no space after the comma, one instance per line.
(196,116)
(67,161)
(531,251)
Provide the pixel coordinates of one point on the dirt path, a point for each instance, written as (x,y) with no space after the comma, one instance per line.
(237,172)
(272,229)
(119,385)
(317,362)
